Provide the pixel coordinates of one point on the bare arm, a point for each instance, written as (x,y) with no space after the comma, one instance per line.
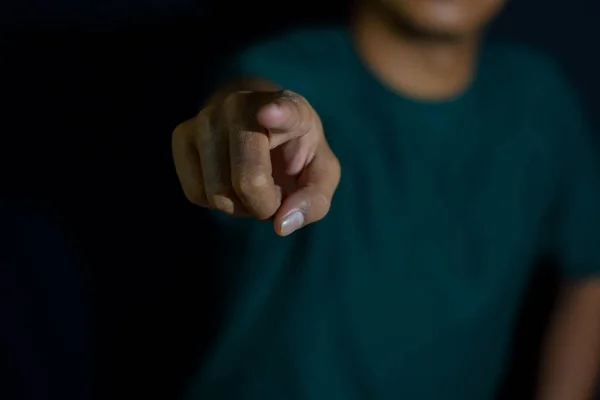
(572,352)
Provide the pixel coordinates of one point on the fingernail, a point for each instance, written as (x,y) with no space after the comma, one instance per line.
(275,104)
(292,222)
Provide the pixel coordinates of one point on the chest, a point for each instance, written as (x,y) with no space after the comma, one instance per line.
(462,198)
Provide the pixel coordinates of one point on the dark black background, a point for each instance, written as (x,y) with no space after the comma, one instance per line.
(92,91)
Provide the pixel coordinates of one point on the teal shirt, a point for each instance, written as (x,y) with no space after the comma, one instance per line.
(408,289)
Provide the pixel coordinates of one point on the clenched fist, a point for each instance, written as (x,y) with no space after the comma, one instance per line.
(260,154)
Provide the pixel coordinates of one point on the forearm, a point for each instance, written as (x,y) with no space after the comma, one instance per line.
(571,360)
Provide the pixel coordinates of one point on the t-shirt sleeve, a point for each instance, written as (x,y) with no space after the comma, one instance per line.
(577,228)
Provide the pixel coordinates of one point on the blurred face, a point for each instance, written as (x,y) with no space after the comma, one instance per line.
(441,18)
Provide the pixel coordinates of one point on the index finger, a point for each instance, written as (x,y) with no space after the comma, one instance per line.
(287,114)
(284,114)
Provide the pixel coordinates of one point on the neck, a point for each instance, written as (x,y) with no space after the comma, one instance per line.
(418,66)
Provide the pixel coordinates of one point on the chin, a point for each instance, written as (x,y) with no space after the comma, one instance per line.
(443,30)
(440,21)
(453,19)
(432,29)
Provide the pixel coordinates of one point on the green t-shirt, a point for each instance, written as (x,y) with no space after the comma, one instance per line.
(408,289)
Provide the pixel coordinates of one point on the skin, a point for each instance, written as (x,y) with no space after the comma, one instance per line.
(423,49)
(570,365)
(257,151)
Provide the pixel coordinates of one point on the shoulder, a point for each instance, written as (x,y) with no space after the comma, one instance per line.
(544,102)
(537,73)
(540,87)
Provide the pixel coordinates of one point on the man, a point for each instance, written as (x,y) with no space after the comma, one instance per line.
(462,164)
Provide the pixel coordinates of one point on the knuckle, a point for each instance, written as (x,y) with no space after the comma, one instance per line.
(203,117)
(251,184)
(181,131)
(203,123)
(230,102)
(196,127)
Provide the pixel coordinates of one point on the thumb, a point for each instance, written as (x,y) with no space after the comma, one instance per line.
(311,202)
